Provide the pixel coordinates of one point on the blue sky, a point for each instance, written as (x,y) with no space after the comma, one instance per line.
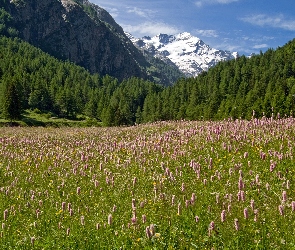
(245,26)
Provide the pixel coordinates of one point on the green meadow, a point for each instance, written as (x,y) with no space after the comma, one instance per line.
(166,185)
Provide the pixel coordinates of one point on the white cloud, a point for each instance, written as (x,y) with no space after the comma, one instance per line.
(238,44)
(206,33)
(146,13)
(150,29)
(226,1)
(229,47)
(279,21)
(260,46)
(200,3)
(137,11)
(114,12)
(258,39)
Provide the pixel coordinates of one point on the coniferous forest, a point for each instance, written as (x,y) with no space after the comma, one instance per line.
(263,85)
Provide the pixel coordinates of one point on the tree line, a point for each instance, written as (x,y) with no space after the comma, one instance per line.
(32,79)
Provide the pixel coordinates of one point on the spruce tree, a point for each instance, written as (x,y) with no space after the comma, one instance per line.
(11,102)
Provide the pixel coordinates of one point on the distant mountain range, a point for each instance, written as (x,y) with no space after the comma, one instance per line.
(87,35)
(189,53)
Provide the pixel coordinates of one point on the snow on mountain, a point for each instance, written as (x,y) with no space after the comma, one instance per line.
(189,53)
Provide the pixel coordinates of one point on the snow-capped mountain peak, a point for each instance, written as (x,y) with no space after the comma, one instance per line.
(189,53)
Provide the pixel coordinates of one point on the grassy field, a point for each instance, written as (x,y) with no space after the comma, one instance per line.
(167,185)
(34,118)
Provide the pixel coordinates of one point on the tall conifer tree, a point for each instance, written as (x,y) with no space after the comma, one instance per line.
(11,102)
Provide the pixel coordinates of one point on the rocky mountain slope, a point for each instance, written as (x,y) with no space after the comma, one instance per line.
(190,54)
(83,33)
(63,29)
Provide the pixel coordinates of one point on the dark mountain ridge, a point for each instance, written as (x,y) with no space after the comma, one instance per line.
(83,33)
(65,31)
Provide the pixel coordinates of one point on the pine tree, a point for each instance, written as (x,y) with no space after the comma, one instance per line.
(11,102)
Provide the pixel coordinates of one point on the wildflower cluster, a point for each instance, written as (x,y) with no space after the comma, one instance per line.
(173,184)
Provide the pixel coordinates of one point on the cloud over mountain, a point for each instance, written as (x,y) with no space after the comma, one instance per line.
(206,33)
(150,28)
(200,3)
(278,21)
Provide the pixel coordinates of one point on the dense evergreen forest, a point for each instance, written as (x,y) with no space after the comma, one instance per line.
(41,82)
(32,79)
(264,83)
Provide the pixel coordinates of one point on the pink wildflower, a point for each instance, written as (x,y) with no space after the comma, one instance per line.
(193,198)
(82,220)
(217,198)
(222,216)
(78,190)
(255,215)
(133,220)
(241,184)
(134,181)
(211,227)
(236,222)
(5,214)
(63,206)
(148,232)
(173,200)
(187,203)
(32,241)
(152,229)
(179,209)
(133,204)
(197,219)
(143,218)
(242,195)
(281,210)
(246,214)
(252,204)
(284,196)
(257,179)
(110,219)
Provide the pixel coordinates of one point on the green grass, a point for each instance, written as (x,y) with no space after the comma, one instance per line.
(131,172)
(37,119)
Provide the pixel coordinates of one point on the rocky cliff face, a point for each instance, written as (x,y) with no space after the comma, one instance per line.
(80,32)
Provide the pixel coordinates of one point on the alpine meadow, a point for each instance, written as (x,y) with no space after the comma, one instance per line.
(106,144)
(166,185)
